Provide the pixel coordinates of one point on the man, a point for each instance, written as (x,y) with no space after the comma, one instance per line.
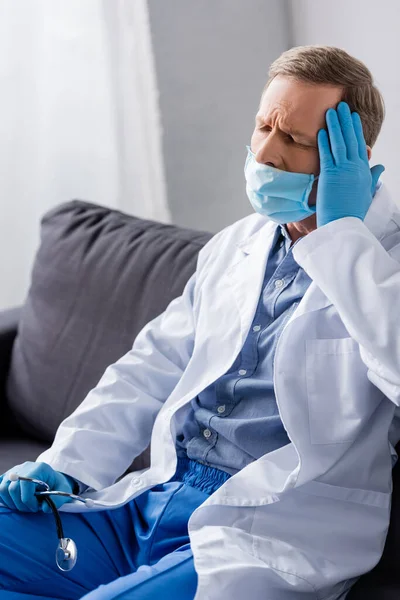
(269,388)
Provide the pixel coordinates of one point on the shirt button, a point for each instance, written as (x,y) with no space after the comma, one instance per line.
(256,328)
(135,481)
(207,433)
(242,372)
(221,409)
(279,283)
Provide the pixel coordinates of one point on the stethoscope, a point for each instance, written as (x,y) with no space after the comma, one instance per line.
(66,552)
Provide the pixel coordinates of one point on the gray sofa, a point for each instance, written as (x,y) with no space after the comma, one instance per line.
(98,277)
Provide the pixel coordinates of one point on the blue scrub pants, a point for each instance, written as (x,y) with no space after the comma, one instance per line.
(140,550)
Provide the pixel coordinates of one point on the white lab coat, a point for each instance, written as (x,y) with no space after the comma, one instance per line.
(305,520)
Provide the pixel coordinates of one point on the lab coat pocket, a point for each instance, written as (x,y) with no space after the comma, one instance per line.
(337,401)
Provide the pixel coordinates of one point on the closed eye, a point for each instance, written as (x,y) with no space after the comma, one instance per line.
(268,128)
(288,137)
(291,140)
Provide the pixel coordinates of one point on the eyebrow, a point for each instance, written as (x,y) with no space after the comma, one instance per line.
(291,131)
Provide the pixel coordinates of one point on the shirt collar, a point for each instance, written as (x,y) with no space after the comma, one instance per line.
(286,236)
(289,244)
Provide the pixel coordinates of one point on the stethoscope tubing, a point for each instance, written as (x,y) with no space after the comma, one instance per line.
(66,554)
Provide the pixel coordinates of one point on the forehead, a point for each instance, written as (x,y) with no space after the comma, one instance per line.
(298,103)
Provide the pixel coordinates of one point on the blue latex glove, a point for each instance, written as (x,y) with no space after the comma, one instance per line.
(19,495)
(346,184)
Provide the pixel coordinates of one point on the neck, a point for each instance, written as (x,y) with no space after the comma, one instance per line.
(301,228)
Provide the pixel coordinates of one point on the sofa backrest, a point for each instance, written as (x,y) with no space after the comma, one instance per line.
(98,277)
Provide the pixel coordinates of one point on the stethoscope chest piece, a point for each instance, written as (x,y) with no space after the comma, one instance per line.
(66,554)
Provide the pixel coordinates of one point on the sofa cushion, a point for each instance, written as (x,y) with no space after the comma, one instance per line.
(99,276)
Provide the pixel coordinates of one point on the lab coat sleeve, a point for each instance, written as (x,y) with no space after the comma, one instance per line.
(362,280)
(113,424)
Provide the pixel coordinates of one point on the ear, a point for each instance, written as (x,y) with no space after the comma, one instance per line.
(369,152)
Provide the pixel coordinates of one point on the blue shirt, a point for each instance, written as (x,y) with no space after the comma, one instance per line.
(235,420)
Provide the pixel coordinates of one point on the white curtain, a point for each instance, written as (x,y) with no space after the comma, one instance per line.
(79,118)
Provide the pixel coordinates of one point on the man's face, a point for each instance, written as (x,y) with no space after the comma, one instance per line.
(288,120)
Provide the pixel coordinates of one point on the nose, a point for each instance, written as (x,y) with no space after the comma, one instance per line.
(268,152)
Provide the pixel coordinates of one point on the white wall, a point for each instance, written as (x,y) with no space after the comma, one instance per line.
(369,30)
(212,60)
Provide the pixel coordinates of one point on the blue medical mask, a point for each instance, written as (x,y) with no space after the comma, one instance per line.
(279,195)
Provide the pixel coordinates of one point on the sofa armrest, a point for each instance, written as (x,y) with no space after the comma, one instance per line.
(8,330)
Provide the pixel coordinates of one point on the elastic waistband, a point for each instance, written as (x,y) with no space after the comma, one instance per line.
(202,477)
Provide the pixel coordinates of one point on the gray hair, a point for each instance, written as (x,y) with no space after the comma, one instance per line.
(328,65)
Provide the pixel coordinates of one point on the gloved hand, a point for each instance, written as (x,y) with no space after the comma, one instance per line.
(346,184)
(20,495)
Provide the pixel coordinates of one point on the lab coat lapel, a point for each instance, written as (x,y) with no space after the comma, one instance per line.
(246,275)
